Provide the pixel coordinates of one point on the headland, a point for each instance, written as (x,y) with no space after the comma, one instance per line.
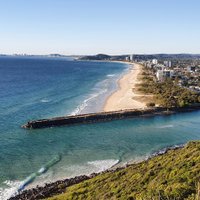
(149,178)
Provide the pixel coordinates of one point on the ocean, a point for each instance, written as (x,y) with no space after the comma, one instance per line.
(42,87)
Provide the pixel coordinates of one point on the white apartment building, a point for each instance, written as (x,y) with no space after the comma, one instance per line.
(162,74)
(168,63)
(155,61)
(131,58)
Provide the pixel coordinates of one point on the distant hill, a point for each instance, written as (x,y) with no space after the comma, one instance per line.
(142,57)
(96,57)
(174,175)
(56,55)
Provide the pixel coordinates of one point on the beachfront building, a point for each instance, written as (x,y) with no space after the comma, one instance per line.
(131,57)
(127,58)
(147,64)
(161,75)
(155,61)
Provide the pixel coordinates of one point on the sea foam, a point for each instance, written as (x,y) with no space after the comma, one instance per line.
(111,75)
(102,165)
(166,126)
(82,106)
(10,189)
(44,100)
(98,95)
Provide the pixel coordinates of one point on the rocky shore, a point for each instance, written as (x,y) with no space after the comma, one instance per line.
(50,189)
(59,187)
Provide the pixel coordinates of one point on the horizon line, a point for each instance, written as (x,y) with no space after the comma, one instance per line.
(124,54)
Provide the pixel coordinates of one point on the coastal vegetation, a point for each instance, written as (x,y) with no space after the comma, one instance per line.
(174,175)
(167,93)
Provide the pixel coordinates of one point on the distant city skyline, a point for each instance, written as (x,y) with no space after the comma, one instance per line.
(98,26)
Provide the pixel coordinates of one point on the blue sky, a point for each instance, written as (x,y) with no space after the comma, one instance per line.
(99,26)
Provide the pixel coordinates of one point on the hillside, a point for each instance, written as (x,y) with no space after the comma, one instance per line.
(96,57)
(142,57)
(174,175)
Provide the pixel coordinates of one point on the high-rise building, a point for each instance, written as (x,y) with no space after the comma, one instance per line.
(168,63)
(131,57)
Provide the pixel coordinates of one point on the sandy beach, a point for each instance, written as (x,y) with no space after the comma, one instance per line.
(125,97)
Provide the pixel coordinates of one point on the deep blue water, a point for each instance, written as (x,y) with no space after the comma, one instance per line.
(32,88)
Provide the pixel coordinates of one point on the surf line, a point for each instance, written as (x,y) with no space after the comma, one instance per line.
(42,170)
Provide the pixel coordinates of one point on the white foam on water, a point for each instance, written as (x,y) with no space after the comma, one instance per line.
(99,92)
(10,189)
(44,100)
(102,165)
(86,168)
(82,106)
(166,126)
(111,75)
(41,180)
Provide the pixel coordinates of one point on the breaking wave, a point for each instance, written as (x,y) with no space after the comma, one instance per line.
(9,189)
(98,95)
(111,75)
(102,165)
(166,126)
(85,103)
(44,100)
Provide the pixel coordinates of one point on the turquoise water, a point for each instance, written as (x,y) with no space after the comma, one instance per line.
(32,88)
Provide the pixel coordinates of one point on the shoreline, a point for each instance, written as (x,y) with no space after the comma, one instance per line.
(125,97)
(59,186)
(71,181)
(95,100)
